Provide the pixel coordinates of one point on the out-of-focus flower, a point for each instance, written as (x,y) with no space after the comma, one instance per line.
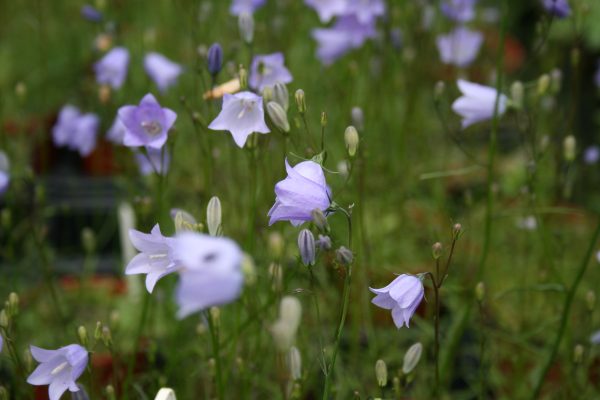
(155,258)
(147,124)
(214,59)
(267,70)
(558,8)
(460,47)
(459,10)
(58,368)
(229,87)
(411,358)
(116,132)
(595,338)
(246,27)
(64,128)
(302,191)
(346,34)
(597,76)
(4,172)
(528,223)
(90,13)
(324,242)
(75,130)
(242,114)
(165,394)
(477,103)
(161,70)
(212,273)
(403,295)
(112,68)
(285,328)
(245,6)
(327,9)
(366,11)
(154,162)
(591,155)
(1,343)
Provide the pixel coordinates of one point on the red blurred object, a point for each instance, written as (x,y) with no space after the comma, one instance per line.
(111,284)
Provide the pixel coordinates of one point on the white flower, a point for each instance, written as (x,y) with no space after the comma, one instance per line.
(477,103)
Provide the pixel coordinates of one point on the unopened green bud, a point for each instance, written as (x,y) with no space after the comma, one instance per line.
(276,245)
(411,358)
(295,363)
(517,92)
(480,291)
(267,94)
(88,240)
(300,101)
(578,354)
(82,335)
(106,336)
(21,90)
(396,385)
(569,148)
(215,316)
(281,95)
(249,270)
(436,250)
(4,321)
(13,303)
(212,367)
(323,119)
(3,393)
(243,77)
(590,300)
(6,218)
(381,373)
(246,26)
(98,331)
(543,84)
(276,273)
(344,256)
(456,230)
(351,138)
(110,392)
(27,359)
(320,220)
(213,216)
(278,116)
(438,90)
(556,78)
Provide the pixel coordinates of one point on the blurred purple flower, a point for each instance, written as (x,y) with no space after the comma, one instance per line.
(211,275)
(112,68)
(245,6)
(4,177)
(304,190)
(477,103)
(116,133)
(595,338)
(558,8)
(591,155)
(64,128)
(597,76)
(90,13)
(267,70)
(366,11)
(58,368)
(154,162)
(460,47)
(402,296)
(459,10)
(327,9)
(155,258)
(242,113)
(1,343)
(346,34)
(161,70)
(147,124)
(75,130)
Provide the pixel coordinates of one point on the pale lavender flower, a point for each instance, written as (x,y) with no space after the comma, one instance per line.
(112,68)
(591,155)
(304,190)
(459,10)
(477,103)
(161,70)
(327,9)
(64,129)
(155,162)
(267,70)
(116,132)
(90,13)
(211,275)
(558,8)
(75,130)
(402,296)
(245,6)
(242,113)
(324,243)
(155,258)
(346,34)
(460,47)
(4,173)
(1,343)
(147,124)
(366,11)
(58,368)
(595,338)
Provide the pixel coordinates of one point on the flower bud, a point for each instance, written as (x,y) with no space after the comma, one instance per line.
(306,244)
(213,216)
(110,392)
(569,148)
(88,240)
(3,319)
(411,358)
(82,335)
(300,101)
(106,336)
(295,363)
(324,243)
(556,77)
(438,90)
(344,256)
(543,84)
(590,300)
(436,250)
(320,220)
(104,94)
(578,354)
(290,310)
(323,119)
(456,230)
(480,291)
(516,93)
(276,274)
(358,118)
(278,116)
(115,319)
(215,316)
(165,394)
(5,218)
(246,26)
(3,393)
(214,59)
(13,303)
(267,94)
(381,373)
(351,138)
(281,95)
(21,90)
(249,270)
(98,331)
(276,244)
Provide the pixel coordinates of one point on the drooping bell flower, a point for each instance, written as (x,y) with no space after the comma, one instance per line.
(112,68)
(147,124)
(58,368)
(346,34)
(267,70)
(242,114)
(155,258)
(558,8)
(303,191)
(245,6)
(366,11)
(460,47)
(477,103)
(4,175)
(211,272)
(161,70)
(327,9)
(154,161)
(459,10)
(403,295)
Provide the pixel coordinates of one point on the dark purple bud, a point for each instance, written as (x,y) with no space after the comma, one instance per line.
(306,244)
(215,59)
(90,13)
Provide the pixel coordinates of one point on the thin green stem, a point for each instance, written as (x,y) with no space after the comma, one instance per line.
(138,336)
(214,337)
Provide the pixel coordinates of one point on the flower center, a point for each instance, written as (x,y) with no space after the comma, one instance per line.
(152,128)
(60,368)
(247,106)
